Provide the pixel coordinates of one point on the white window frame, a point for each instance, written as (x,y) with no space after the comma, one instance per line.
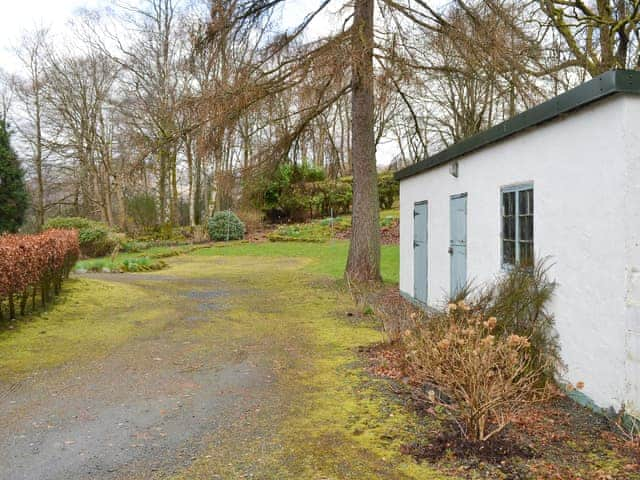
(515,189)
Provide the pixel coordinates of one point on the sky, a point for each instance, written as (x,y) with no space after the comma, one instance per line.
(20,16)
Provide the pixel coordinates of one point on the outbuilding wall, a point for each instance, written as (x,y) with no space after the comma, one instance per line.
(585,171)
(631,144)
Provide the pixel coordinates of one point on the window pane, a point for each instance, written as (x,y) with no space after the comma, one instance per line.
(526,254)
(509,228)
(525,202)
(508,252)
(526,227)
(509,203)
(509,225)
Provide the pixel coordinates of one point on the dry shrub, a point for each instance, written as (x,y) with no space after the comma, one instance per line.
(628,426)
(252,219)
(483,379)
(199,234)
(397,315)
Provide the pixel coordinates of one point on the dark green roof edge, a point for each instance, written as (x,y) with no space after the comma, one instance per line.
(615,81)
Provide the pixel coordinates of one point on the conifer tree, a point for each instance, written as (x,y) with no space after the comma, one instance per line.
(13,191)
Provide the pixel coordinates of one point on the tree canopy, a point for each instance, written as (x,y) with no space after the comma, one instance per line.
(189,107)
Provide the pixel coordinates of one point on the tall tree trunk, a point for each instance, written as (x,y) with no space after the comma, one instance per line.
(108,201)
(197,204)
(122,202)
(162,184)
(38,160)
(363,264)
(174,206)
(190,174)
(220,173)
(100,197)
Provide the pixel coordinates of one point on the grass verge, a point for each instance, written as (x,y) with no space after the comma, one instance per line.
(328,258)
(76,328)
(134,262)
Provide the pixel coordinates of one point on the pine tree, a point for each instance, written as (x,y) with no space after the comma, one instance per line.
(13,191)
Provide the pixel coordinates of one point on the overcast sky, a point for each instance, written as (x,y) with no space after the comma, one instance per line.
(19,16)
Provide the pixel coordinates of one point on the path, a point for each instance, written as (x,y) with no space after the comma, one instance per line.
(218,379)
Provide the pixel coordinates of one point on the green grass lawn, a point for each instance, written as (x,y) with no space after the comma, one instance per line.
(307,240)
(328,258)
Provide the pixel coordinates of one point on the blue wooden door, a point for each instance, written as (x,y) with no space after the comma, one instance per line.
(420,260)
(458,243)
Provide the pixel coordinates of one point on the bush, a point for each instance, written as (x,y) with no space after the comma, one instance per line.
(519,299)
(334,197)
(300,192)
(225,226)
(483,379)
(141,264)
(96,238)
(493,350)
(133,246)
(35,262)
(388,190)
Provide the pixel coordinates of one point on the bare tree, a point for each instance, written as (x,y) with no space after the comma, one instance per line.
(78,94)
(353,49)
(599,35)
(148,84)
(29,91)
(6,95)
(196,102)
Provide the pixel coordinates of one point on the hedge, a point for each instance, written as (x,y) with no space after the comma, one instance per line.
(32,263)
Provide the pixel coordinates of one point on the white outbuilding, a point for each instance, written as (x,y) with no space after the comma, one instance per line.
(561,180)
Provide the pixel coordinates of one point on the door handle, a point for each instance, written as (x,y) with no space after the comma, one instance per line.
(415,244)
(450,250)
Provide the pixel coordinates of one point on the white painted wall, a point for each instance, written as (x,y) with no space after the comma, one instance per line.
(585,170)
(631,144)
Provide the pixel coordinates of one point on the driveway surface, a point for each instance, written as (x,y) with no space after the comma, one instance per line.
(215,368)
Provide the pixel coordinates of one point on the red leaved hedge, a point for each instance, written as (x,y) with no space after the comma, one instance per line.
(32,263)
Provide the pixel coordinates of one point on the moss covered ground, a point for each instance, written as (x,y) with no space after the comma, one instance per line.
(247,358)
(327,419)
(314,414)
(89,319)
